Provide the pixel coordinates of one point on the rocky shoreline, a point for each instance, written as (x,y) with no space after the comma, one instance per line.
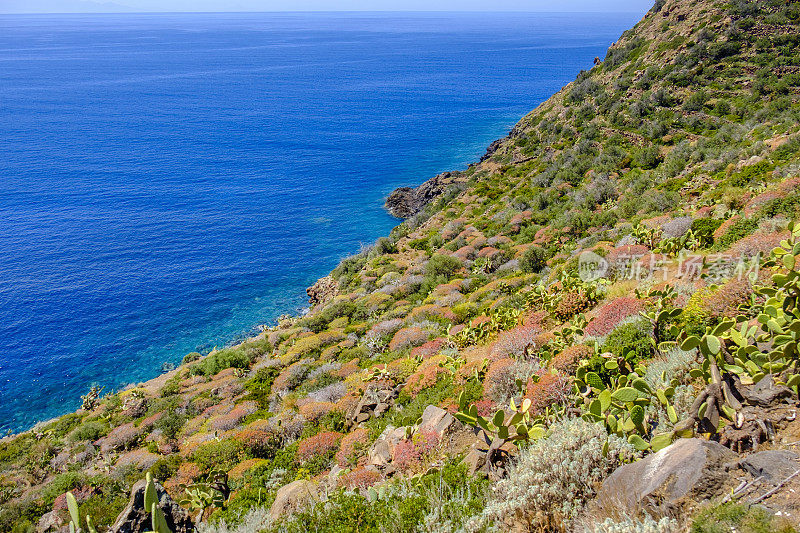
(405,202)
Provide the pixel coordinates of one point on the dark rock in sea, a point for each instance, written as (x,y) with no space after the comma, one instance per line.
(405,202)
(135,519)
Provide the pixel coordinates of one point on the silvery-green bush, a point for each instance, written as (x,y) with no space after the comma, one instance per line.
(255,520)
(646,525)
(551,480)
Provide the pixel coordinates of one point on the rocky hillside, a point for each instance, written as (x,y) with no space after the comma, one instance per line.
(594,328)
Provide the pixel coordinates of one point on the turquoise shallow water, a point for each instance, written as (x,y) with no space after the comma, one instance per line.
(168,182)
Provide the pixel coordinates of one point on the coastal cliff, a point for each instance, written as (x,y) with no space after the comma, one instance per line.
(405,202)
(593,328)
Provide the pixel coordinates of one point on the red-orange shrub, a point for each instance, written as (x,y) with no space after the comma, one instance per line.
(758,243)
(550,389)
(609,315)
(425,377)
(352,443)
(408,338)
(259,439)
(515,342)
(570,304)
(360,479)
(566,361)
(428,349)
(413,452)
(313,411)
(726,300)
(495,383)
(318,445)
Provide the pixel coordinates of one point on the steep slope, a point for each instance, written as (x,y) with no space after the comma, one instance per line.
(586,273)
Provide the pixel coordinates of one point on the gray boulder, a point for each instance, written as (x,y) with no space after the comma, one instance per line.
(677,227)
(382,451)
(51,523)
(437,420)
(773,465)
(688,470)
(292,497)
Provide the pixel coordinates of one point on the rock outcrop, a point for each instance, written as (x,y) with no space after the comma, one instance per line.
(771,465)
(405,202)
(324,290)
(136,519)
(292,497)
(382,451)
(438,421)
(51,523)
(689,469)
(375,401)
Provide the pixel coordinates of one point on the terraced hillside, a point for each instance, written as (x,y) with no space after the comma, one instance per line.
(611,290)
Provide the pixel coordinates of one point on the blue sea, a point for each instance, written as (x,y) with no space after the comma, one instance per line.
(168,182)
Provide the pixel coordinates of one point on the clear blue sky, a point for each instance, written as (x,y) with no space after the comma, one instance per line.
(83,6)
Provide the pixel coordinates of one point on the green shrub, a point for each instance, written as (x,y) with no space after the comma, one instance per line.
(248,507)
(21,517)
(648,157)
(442,265)
(170,424)
(166,467)
(534,259)
(348,269)
(738,230)
(385,246)
(223,454)
(737,517)
(189,357)
(788,206)
(752,174)
(260,385)
(222,359)
(632,340)
(60,484)
(65,424)
(413,406)
(90,430)
(105,507)
(441,501)
(704,228)
(696,101)
(13,449)
(171,387)
(339,308)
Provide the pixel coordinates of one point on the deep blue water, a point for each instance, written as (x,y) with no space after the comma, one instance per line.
(168,182)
